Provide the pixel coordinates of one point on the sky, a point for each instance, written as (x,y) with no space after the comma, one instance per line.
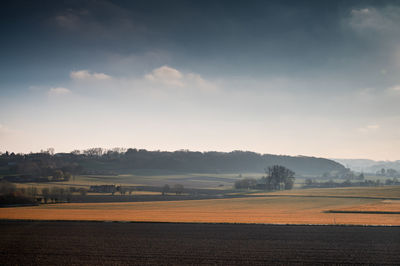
(314,78)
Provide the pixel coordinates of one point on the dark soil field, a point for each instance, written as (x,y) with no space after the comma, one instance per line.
(99,243)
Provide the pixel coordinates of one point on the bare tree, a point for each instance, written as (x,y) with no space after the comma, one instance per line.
(178,189)
(7,187)
(83,191)
(280,177)
(165,189)
(45,194)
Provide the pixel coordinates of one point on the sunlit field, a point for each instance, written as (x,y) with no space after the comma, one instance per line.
(153,178)
(374,192)
(276,210)
(383,206)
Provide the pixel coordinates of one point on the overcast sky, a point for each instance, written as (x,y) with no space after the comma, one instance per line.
(317,78)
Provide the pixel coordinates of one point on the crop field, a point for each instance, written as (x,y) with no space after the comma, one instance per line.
(385,206)
(98,243)
(192,180)
(220,181)
(271,210)
(65,185)
(373,192)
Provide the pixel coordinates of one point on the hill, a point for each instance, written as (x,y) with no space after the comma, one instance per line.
(369,166)
(98,161)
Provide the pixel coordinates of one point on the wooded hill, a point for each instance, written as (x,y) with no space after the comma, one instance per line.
(117,161)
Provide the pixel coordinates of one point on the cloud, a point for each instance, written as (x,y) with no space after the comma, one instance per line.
(201,83)
(373,127)
(69,21)
(87,75)
(161,82)
(369,128)
(166,75)
(97,19)
(395,89)
(58,91)
(171,77)
(381,20)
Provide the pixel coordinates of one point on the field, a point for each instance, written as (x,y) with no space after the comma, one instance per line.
(215,181)
(361,192)
(154,178)
(298,207)
(300,227)
(96,243)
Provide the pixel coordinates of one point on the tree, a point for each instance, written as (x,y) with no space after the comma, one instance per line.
(68,195)
(383,171)
(67,176)
(32,191)
(326,175)
(361,176)
(45,194)
(76,152)
(391,172)
(246,183)
(388,182)
(94,152)
(165,189)
(178,188)
(7,187)
(347,183)
(57,194)
(280,177)
(58,175)
(308,182)
(82,191)
(29,168)
(122,190)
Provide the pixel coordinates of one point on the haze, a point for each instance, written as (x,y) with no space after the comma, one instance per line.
(318,78)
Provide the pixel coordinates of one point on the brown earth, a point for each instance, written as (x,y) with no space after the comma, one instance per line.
(99,243)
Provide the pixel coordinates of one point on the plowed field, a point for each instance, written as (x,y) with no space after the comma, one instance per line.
(99,243)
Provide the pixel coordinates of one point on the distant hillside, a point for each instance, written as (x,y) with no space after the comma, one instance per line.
(368,166)
(98,161)
(236,161)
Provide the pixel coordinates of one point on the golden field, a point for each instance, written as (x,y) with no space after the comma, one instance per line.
(373,192)
(382,206)
(275,210)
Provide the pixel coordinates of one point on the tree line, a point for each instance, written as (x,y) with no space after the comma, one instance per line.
(278,178)
(119,161)
(310,183)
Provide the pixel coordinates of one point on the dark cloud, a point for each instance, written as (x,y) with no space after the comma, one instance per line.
(231,37)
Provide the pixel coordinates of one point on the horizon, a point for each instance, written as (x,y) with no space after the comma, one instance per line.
(310,78)
(124,149)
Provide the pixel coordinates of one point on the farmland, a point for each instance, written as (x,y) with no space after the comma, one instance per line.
(364,192)
(95,243)
(151,178)
(210,222)
(297,207)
